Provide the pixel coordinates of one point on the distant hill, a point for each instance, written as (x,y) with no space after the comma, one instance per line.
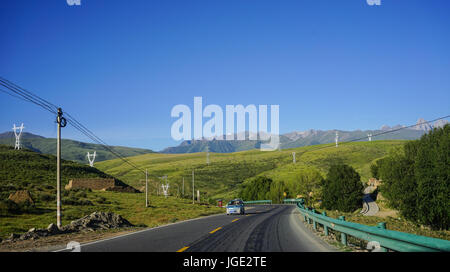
(304,138)
(71,150)
(222,177)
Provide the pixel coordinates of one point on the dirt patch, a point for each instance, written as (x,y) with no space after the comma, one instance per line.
(21,197)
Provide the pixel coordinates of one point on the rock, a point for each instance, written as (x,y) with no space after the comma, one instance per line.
(92,222)
(13,236)
(52,229)
(21,197)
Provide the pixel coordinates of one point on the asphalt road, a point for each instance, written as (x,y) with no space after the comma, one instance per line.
(264,228)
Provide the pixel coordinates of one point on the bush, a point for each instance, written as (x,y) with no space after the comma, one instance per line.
(45,197)
(342,189)
(257,189)
(8,207)
(416,182)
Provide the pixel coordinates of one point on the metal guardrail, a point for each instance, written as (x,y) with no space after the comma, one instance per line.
(376,236)
(292,200)
(258,202)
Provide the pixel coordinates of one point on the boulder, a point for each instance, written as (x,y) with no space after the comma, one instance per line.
(92,222)
(52,229)
(13,236)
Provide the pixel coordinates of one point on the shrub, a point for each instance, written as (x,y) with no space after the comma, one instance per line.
(256,189)
(342,189)
(416,182)
(45,197)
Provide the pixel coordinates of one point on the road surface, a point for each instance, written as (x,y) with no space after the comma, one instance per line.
(264,228)
(370,208)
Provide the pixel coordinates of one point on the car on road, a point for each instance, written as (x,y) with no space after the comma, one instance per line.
(235,206)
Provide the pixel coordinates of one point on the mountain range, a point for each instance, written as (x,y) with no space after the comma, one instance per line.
(71,150)
(77,151)
(308,137)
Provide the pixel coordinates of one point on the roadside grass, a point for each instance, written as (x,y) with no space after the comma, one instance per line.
(131,206)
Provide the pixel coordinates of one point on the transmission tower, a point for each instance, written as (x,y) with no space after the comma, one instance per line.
(337,138)
(207,154)
(165,187)
(18,135)
(293,157)
(91,158)
(370,136)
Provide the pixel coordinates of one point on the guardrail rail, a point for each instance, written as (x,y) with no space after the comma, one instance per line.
(379,237)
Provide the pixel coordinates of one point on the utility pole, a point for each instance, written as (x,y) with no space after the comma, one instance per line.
(193,191)
(61,123)
(183,187)
(146,188)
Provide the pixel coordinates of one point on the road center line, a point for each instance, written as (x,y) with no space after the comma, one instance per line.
(235,220)
(215,230)
(182,249)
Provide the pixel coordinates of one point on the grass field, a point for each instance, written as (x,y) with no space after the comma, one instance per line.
(226,172)
(28,170)
(130,206)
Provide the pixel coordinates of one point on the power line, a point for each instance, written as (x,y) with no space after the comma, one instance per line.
(29,93)
(25,97)
(28,96)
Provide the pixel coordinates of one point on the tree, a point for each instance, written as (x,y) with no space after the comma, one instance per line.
(342,189)
(256,189)
(416,181)
(432,171)
(277,190)
(308,184)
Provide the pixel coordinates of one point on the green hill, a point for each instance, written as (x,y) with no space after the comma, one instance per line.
(70,149)
(222,177)
(26,169)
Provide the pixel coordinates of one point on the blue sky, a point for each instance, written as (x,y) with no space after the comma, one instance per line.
(120,66)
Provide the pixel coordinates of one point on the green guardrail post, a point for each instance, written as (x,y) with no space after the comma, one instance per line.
(343,235)
(382,225)
(314,221)
(325,228)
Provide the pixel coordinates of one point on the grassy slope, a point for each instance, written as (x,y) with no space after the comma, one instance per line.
(130,206)
(25,169)
(221,178)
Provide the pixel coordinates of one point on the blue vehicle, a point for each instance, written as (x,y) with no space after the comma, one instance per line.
(235,206)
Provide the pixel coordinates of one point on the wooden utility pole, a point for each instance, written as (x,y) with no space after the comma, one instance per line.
(193,191)
(146,188)
(61,123)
